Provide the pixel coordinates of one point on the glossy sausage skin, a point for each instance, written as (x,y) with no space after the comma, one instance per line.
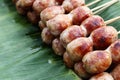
(80,71)
(116,72)
(92,23)
(97,61)
(59,23)
(69,5)
(27,3)
(57,47)
(78,48)
(40,5)
(80,14)
(104,37)
(47,37)
(23,6)
(67,60)
(72,33)
(102,76)
(114,48)
(51,12)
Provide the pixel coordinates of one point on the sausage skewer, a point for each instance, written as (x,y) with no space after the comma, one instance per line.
(46,39)
(34,7)
(107,22)
(84,29)
(69,5)
(108,50)
(75,31)
(52,11)
(97,61)
(44,17)
(89,24)
(100,60)
(100,38)
(60,17)
(60,22)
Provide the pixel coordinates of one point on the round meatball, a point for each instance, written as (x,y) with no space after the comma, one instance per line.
(116,72)
(97,61)
(20,9)
(80,71)
(78,48)
(72,33)
(114,48)
(23,6)
(102,76)
(40,5)
(92,23)
(67,60)
(41,25)
(69,5)
(47,37)
(104,37)
(26,3)
(51,12)
(57,47)
(32,17)
(80,14)
(59,23)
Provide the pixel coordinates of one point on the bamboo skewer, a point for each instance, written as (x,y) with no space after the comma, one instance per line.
(118,32)
(90,4)
(112,20)
(104,5)
(111,3)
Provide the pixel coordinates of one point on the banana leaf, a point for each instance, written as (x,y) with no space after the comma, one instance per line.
(23,55)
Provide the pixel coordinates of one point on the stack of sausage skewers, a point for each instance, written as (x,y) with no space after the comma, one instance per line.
(87,44)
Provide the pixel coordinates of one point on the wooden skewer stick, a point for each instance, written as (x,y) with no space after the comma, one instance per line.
(118,32)
(111,3)
(104,6)
(112,20)
(90,4)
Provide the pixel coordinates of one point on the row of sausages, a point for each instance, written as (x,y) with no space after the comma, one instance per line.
(87,45)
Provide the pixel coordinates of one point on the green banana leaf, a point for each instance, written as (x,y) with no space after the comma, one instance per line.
(23,55)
